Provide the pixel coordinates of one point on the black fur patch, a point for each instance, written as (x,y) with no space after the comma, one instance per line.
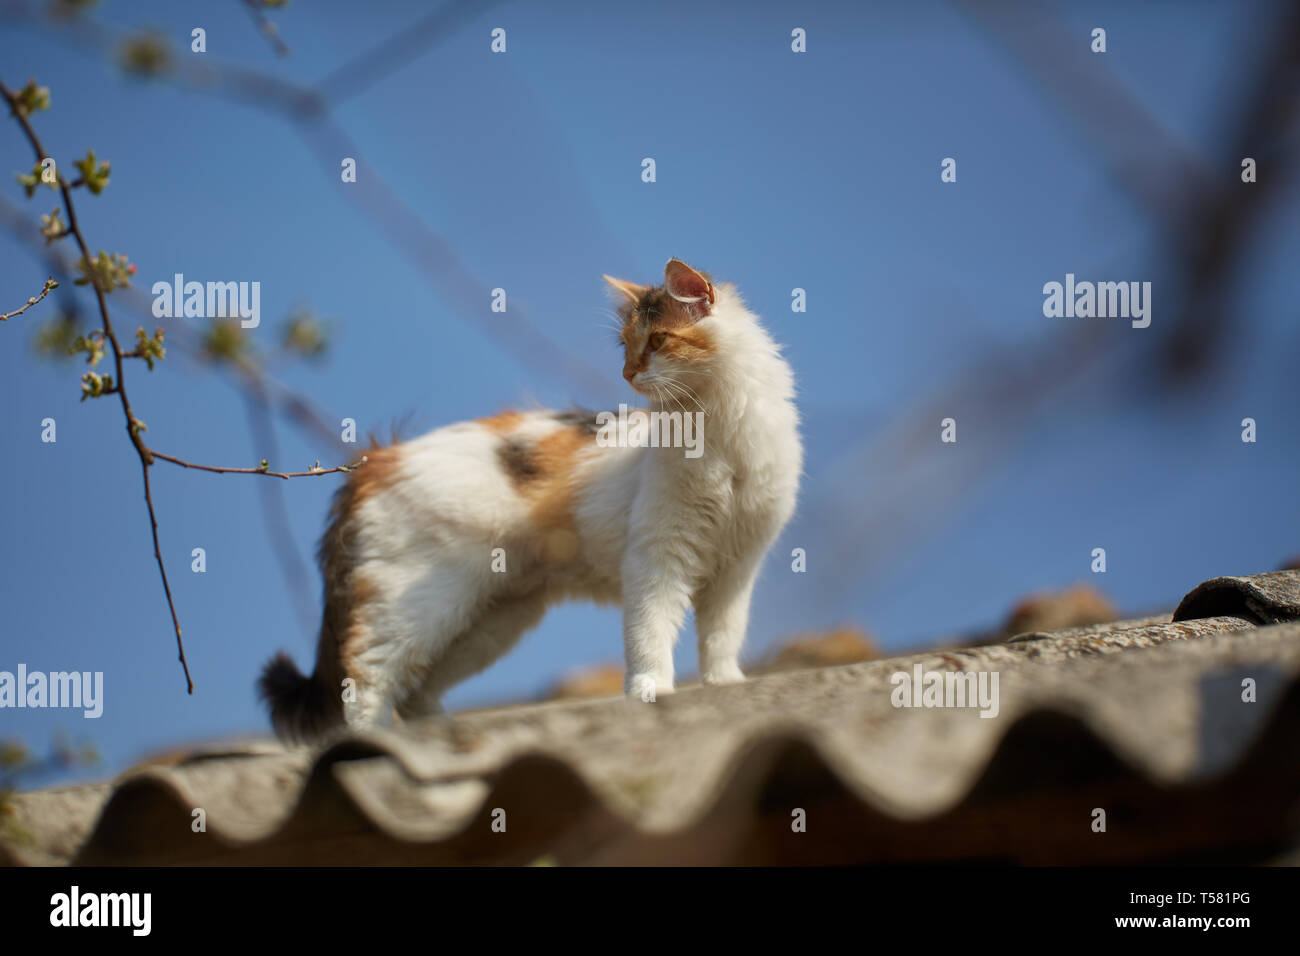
(583,418)
(518,460)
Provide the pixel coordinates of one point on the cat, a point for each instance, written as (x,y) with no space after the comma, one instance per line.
(441,552)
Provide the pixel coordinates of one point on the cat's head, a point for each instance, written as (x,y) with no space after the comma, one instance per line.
(668,346)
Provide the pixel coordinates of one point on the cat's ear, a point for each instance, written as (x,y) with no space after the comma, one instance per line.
(631,290)
(686,285)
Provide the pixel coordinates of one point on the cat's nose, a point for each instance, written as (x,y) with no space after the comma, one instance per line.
(629,374)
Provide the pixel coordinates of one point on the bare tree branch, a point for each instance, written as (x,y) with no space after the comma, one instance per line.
(134,427)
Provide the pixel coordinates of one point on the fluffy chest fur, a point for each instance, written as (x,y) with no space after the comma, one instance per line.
(735,497)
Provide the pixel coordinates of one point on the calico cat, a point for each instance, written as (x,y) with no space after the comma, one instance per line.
(442,551)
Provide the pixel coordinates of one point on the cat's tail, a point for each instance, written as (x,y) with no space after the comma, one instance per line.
(301,707)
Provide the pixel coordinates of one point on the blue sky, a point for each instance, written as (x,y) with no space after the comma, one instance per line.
(774,171)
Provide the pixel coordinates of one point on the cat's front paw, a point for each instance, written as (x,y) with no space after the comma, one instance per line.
(647,687)
(722,674)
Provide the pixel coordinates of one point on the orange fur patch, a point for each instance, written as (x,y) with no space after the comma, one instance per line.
(544,474)
(363,590)
(378,473)
(361,593)
(502,422)
(557,460)
(344,592)
(689,344)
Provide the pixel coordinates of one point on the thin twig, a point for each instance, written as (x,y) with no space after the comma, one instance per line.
(50,285)
(264,469)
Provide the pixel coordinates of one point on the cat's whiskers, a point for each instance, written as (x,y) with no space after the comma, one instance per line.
(660,393)
(675,394)
(682,390)
(693,395)
(673,399)
(677,391)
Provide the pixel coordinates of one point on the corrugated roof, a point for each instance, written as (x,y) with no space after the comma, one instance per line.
(1142,719)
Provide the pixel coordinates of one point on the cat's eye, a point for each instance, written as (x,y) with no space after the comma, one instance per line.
(657,340)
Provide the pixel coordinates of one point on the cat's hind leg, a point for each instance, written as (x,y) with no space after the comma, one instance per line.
(400,627)
(368,694)
(494,632)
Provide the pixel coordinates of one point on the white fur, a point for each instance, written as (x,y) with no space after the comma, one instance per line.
(657,530)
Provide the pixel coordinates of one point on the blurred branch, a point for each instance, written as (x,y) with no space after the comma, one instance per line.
(279,533)
(1205,214)
(256,10)
(433,256)
(247,374)
(1214,238)
(1203,211)
(1009,386)
(1110,119)
(366,69)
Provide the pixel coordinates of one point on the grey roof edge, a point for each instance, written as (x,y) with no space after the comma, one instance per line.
(1049,763)
(1271,598)
(555,810)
